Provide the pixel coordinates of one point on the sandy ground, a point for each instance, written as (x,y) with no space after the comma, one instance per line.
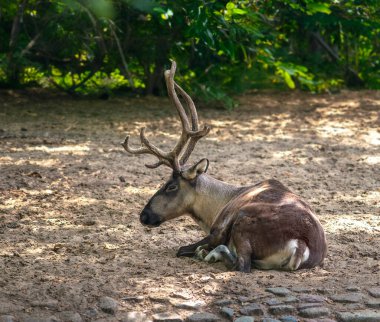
(69,228)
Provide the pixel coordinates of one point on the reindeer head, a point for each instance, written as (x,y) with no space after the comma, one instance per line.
(176,196)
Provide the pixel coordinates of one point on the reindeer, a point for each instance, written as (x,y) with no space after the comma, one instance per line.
(264,225)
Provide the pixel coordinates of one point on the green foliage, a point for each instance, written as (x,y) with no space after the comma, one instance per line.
(222,47)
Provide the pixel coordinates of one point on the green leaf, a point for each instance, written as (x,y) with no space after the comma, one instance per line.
(230,5)
(288,80)
(237,11)
(318,7)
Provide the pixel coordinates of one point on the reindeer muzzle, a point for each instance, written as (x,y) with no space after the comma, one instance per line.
(149,218)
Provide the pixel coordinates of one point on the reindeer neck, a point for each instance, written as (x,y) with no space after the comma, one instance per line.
(211,197)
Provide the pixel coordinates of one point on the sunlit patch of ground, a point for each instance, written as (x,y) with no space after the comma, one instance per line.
(70,196)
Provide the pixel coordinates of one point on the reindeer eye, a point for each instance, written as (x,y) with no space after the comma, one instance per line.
(172,187)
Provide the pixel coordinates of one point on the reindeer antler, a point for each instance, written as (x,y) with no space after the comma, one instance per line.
(176,158)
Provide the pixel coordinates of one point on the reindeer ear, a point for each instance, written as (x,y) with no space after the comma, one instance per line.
(196,170)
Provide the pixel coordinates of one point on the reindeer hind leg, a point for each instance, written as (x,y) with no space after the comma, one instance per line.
(222,253)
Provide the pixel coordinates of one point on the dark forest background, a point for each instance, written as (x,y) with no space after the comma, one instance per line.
(105,47)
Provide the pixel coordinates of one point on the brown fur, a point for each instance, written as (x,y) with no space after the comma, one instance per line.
(262,219)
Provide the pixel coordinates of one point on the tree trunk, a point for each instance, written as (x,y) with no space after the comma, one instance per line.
(13,68)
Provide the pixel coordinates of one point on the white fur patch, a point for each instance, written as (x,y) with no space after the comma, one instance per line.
(284,259)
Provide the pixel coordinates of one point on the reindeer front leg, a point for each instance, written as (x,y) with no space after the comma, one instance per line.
(189,250)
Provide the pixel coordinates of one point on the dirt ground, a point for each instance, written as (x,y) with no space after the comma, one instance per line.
(70,198)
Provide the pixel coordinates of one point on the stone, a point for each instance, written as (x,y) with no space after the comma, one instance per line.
(182,295)
(6,307)
(167,317)
(159,299)
(158,308)
(374,291)
(347,298)
(281,309)
(41,319)
(314,312)
(273,301)
(300,289)
(373,303)
(70,316)
(270,320)
(245,319)
(51,304)
(359,316)
(353,306)
(279,291)
(138,298)
(307,305)
(243,299)
(189,305)
(227,312)
(352,288)
(7,318)
(310,298)
(108,305)
(203,317)
(91,313)
(251,309)
(223,302)
(290,299)
(289,318)
(134,317)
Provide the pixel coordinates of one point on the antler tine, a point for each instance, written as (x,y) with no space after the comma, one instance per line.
(170,84)
(189,136)
(149,148)
(190,105)
(196,135)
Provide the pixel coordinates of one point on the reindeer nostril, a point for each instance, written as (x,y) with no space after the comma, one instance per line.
(147,217)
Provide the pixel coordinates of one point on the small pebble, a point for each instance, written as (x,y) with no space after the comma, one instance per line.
(190,305)
(203,317)
(281,309)
(288,318)
(158,308)
(290,299)
(273,301)
(69,316)
(245,319)
(159,299)
(133,298)
(300,289)
(347,298)
(108,305)
(91,312)
(373,303)
(167,317)
(134,317)
(352,288)
(309,298)
(280,291)
(223,302)
(251,309)
(7,318)
(51,304)
(227,312)
(374,291)
(243,299)
(359,316)
(307,305)
(314,312)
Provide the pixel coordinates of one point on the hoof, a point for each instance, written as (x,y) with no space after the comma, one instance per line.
(201,253)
